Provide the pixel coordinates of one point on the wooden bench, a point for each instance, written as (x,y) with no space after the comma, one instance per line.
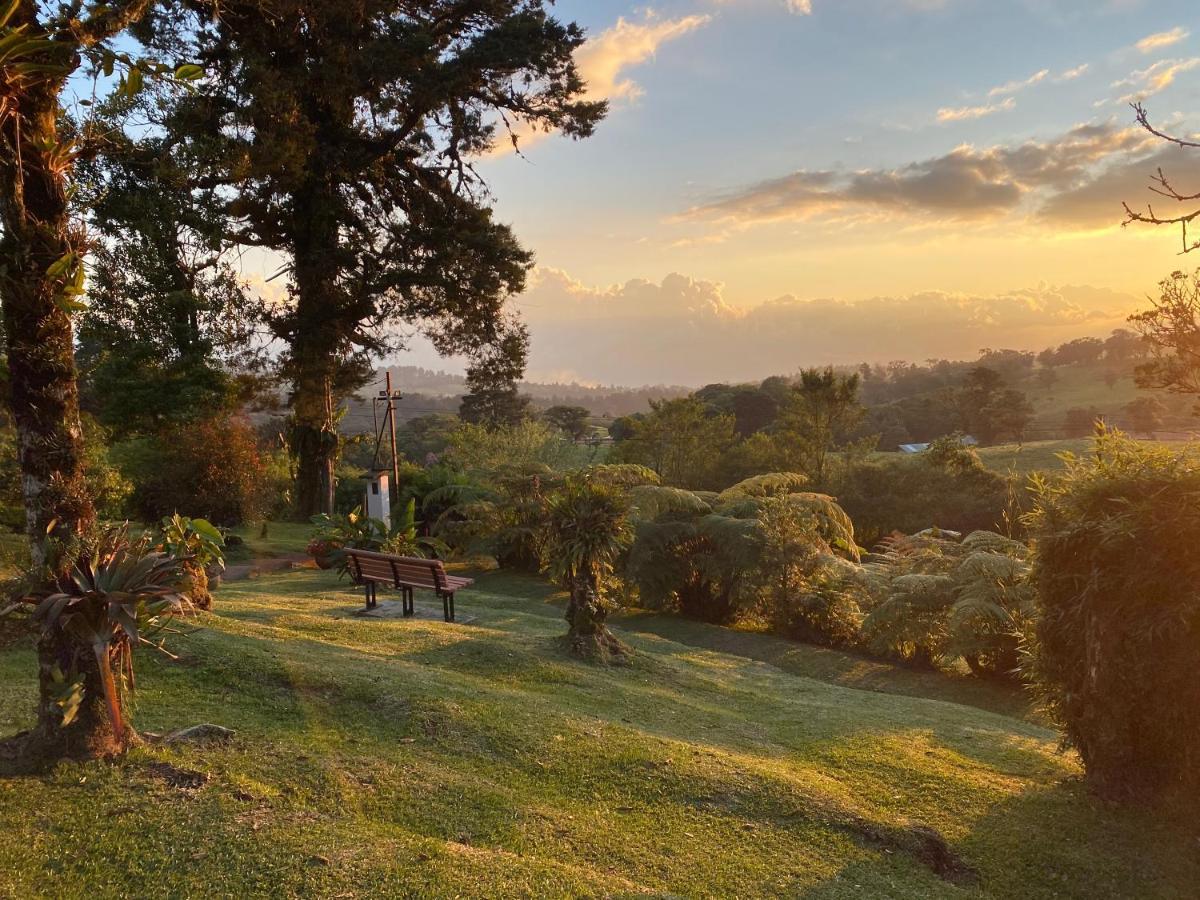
(404,573)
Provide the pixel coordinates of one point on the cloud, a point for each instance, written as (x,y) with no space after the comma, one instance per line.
(1006,90)
(1014,87)
(604,62)
(964,113)
(1072,74)
(604,59)
(966,183)
(1154,79)
(1153,42)
(681,330)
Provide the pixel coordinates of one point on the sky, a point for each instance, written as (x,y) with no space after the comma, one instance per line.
(785,183)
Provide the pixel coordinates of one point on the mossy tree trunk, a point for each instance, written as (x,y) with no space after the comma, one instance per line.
(44,398)
(587,620)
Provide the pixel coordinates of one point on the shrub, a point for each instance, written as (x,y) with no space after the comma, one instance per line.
(1117,651)
(198,545)
(939,599)
(214,467)
(946,486)
(809,593)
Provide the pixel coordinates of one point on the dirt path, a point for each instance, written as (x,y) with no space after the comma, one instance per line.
(256,567)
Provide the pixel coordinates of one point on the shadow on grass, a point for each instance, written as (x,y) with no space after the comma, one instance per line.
(832,666)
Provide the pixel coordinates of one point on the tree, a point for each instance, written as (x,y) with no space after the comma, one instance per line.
(754,410)
(41,277)
(348,139)
(819,420)
(1188,204)
(1111,378)
(1145,414)
(168,332)
(572,420)
(493,398)
(1080,422)
(1047,377)
(587,529)
(1123,345)
(679,441)
(1170,330)
(1008,414)
(979,391)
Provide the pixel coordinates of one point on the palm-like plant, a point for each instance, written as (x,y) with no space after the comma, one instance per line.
(118,595)
(586,532)
(942,598)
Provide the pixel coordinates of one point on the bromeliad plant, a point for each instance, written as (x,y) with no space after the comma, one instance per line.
(119,595)
(336,534)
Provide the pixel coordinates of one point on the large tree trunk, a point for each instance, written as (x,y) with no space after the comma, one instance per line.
(44,397)
(316,340)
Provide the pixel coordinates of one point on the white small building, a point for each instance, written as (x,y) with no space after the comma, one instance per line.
(379,498)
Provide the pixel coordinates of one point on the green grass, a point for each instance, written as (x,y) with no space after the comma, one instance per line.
(1032,456)
(415,758)
(1043,456)
(281,539)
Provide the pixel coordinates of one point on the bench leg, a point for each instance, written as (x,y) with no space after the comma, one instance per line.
(406,596)
(367,594)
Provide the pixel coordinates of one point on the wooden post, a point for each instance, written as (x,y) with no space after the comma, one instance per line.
(391,414)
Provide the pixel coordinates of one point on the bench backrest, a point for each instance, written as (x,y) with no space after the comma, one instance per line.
(371,566)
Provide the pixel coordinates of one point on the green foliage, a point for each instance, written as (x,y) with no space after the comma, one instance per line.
(117,596)
(587,529)
(197,539)
(945,486)
(939,598)
(493,399)
(680,441)
(1117,651)
(571,420)
(819,422)
(214,466)
(771,484)
(475,448)
(808,591)
(333,535)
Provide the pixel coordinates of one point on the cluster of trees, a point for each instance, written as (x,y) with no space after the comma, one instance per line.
(1106,578)
(337,138)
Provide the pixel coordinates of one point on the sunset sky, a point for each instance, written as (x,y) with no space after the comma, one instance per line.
(784,183)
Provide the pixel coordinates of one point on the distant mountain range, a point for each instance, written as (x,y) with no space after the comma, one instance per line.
(427,391)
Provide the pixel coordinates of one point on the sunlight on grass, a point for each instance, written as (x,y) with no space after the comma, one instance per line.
(416,757)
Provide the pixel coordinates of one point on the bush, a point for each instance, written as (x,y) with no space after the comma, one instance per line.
(946,486)
(1117,650)
(809,592)
(213,467)
(939,599)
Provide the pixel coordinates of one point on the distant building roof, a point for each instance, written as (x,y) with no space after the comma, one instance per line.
(966,440)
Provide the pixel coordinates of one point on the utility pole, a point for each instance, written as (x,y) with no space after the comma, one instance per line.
(391,414)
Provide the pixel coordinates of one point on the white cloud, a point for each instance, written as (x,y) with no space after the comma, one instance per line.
(1153,42)
(604,61)
(966,183)
(1072,74)
(1154,79)
(1014,87)
(966,113)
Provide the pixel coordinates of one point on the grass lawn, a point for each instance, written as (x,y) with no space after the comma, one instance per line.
(415,758)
